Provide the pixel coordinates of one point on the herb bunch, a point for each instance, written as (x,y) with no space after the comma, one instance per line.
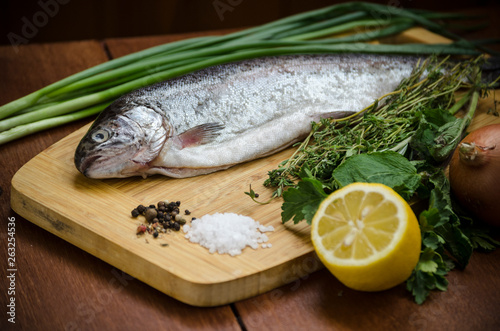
(403,141)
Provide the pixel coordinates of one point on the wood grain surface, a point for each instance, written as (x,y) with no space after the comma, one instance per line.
(61,287)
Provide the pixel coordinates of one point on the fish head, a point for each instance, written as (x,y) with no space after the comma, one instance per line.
(122,143)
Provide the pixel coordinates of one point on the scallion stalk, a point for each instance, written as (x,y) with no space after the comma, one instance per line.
(48,123)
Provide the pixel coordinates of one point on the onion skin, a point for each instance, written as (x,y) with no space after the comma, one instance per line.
(475,173)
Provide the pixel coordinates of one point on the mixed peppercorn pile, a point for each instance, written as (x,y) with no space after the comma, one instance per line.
(160,218)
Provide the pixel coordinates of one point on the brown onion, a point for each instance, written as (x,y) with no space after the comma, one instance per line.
(475,173)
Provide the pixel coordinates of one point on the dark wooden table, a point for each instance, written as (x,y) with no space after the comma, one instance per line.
(60,287)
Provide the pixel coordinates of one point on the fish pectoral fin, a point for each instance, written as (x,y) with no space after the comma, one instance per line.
(200,134)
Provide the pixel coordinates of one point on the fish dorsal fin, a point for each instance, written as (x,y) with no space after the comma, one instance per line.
(200,134)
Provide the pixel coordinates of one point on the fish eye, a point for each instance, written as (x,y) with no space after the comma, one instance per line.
(100,136)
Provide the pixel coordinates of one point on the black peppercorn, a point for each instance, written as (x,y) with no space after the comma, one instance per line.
(141,209)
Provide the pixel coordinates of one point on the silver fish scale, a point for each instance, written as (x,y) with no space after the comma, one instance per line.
(245,95)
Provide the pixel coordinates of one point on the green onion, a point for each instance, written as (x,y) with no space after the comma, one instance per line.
(317,31)
(26,129)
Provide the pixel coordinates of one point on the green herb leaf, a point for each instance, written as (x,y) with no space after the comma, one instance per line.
(483,241)
(429,274)
(442,220)
(428,219)
(437,135)
(432,240)
(389,168)
(420,284)
(426,262)
(456,243)
(438,208)
(303,201)
(479,237)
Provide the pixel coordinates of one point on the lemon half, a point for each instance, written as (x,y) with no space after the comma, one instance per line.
(367,236)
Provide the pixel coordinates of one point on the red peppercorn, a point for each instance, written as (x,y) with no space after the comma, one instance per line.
(141,229)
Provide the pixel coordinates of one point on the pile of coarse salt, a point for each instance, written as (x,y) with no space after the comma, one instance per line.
(227,233)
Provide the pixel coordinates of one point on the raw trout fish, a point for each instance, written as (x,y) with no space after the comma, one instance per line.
(224,115)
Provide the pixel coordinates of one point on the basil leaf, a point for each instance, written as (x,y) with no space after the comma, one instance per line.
(388,168)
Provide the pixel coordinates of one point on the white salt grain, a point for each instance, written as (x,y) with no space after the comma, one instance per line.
(227,233)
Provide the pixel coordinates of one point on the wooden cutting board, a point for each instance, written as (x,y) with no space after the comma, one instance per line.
(95,216)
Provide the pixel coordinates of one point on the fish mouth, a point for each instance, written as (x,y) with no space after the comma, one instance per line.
(86,163)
